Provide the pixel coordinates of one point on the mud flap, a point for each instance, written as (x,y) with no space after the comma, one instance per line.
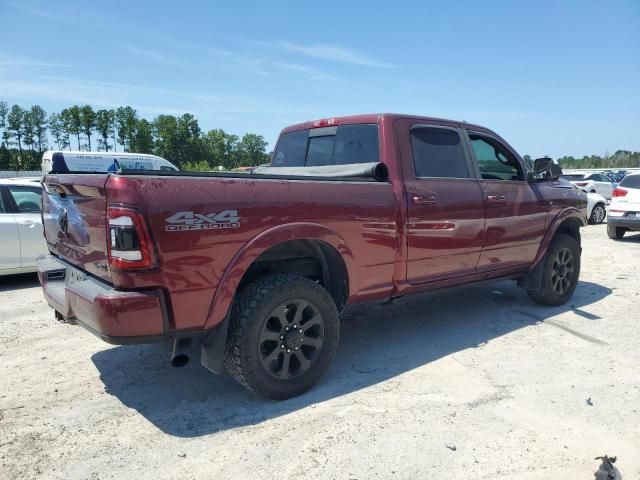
(212,349)
(533,278)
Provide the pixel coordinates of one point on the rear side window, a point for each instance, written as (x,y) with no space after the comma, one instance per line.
(27,199)
(345,144)
(630,181)
(438,152)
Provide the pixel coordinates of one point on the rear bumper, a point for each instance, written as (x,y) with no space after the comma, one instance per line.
(625,222)
(118,317)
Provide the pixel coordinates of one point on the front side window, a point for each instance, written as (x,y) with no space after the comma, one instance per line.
(494,160)
(27,199)
(341,145)
(2,210)
(438,152)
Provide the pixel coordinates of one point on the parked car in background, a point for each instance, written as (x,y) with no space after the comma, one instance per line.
(596,208)
(21,238)
(624,210)
(591,182)
(63,161)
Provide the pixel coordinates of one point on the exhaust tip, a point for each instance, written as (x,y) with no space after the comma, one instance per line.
(180,354)
(180,360)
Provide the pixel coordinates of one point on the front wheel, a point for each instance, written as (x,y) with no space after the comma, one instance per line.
(283,335)
(615,233)
(597,214)
(561,270)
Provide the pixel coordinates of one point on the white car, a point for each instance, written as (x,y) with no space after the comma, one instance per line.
(591,182)
(596,208)
(624,210)
(21,238)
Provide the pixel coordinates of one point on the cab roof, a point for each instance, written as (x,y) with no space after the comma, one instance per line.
(373,118)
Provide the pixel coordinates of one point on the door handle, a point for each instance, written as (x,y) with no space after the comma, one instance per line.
(420,200)
(496,198)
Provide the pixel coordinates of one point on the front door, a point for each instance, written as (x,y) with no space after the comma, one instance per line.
(445,204)
(515,210)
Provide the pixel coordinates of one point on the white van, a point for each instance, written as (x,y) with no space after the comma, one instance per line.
(63,161)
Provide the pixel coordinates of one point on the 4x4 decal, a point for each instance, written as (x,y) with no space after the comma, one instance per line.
(183,221)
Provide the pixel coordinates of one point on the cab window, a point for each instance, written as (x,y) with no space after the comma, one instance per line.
(438,152)
(495,161)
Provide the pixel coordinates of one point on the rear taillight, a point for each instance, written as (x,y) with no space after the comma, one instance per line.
(619,192)
(581,184)
(129,242)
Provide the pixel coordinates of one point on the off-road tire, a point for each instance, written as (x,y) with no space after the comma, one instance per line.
(598,216)
(615,233)
(548,295)
(252,310)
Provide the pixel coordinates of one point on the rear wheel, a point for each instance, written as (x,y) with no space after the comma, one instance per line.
(283,336)
(597,214)
(614,232)
(561,271)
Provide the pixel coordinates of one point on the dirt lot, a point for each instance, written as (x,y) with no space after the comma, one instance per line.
(473,383)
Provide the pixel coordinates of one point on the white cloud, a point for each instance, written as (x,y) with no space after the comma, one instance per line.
(17,62)
(335,54)
(154,55)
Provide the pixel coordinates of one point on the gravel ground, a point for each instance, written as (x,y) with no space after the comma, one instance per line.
(475,383)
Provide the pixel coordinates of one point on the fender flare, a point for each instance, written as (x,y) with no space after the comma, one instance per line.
(228,285)
(565,214)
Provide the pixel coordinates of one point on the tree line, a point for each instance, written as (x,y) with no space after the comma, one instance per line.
(27,133)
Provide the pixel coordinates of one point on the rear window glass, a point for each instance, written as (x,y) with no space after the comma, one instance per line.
(437,152)
(631,181)
(573,178)
(345,144)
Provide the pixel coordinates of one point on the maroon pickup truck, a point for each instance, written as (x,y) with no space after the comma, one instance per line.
(252,270)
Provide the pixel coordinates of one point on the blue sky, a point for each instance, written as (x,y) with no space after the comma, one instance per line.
(557,78)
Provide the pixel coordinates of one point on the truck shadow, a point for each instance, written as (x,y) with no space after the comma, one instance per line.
(18,282)
(378,343)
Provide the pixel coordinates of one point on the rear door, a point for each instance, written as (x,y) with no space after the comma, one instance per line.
(74,213)
(26,206)
(445,203)
(9,238)
(515,210)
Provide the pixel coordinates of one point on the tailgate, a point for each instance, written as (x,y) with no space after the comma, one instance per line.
(74,216)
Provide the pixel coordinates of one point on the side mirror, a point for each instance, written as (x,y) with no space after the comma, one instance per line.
(543,170)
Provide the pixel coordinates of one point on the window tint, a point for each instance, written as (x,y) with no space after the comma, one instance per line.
(342,145)
(2,210)
(494,160)
(438,152)
(291,150)
(320,151)
(573,177)
(28,199)
(631,181)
